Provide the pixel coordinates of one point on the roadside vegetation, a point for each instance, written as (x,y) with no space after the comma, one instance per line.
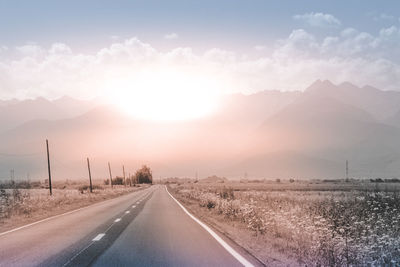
(319,223)
(24,202)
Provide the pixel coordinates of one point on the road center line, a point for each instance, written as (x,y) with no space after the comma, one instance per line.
(225,245)
(98,237)
(63,214)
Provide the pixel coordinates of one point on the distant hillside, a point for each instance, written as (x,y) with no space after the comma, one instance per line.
(213,179)
(14,112)
(380,104)
(269,134)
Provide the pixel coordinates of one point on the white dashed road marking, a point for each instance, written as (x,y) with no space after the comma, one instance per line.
(98,237)
(127,211)
(117,220)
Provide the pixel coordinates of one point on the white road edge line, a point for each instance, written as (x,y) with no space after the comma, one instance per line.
(228,248)
(49,218)
(117,220)
(56,216)
(98,237)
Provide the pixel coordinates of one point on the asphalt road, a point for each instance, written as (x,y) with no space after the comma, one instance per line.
(145,228)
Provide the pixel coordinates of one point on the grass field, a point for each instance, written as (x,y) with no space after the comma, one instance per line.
(19,206)
(311,223)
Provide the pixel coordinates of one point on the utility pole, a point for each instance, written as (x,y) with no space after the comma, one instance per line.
(90,176)
(123,171)
(48,166)
(12,176)
(347,170)
(109,169)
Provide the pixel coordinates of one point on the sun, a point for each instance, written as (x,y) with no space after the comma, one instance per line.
(165,94)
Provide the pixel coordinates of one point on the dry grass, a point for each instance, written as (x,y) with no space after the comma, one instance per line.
(22,206)
(342,224)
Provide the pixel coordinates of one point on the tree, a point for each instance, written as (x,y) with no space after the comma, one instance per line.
(144,175)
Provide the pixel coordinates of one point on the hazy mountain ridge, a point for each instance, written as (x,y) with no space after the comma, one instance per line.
(16,112)
(267,134)
(380,104)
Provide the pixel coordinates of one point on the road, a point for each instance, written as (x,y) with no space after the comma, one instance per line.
(145,228)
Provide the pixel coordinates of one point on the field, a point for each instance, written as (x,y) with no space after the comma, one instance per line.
(319,223)
(29,202)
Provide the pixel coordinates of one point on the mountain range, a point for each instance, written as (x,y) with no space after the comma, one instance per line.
(269,134)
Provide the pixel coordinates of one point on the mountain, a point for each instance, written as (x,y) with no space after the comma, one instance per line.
(14,112)
(8,102)
(74,107)
(394,120)
(251,110)
(319,126)
(380,104)
(269,134)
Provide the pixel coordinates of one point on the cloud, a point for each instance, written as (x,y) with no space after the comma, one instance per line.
(60,48)
(171,36)
(292,63)
(318,19)
(384,16)
(30,50)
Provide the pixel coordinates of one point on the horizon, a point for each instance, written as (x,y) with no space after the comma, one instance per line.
(227,94)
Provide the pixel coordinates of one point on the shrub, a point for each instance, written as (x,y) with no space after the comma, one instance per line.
(226,193)
(357,228)
(144,175)
(118,181)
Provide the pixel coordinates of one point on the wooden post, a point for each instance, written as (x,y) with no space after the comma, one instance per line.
(48,166)
(123,171)
(109,169)
(90,176)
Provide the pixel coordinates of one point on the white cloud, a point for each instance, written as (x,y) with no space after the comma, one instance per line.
(318,19)
(171,36)
(294,63)
(60,48)
(31,50)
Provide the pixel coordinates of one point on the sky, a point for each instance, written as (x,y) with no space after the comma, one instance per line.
(96,48)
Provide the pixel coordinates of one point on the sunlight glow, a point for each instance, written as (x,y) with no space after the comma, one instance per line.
(164,95)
